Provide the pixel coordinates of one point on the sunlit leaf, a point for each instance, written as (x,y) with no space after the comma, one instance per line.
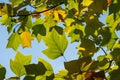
(16,2)
(14,41)
(87,2)
(17,65)
(26,39)
(59,15)
(56,45)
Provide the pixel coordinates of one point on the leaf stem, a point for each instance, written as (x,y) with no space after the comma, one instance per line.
(64,58)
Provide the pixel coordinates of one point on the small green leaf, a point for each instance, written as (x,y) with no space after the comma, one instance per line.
(17,65)
(14,41)
(2,72)
(56,44)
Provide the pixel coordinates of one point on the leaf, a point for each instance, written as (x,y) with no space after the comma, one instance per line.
(16,2)
(2,72)
(17,65)
(13,78)
(26,39)
(87,2)
(14,41)
(35,69)
(59,14)
(89,47)
(79,65)
(61,74)
(56,44)
(47,66)
(39,30)
(29,78)
(114,75)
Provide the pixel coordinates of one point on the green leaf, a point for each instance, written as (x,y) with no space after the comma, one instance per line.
(17,65)
(2,72)
(115,75)
(39,30)
(14,41)
(87,2)
(48,67)
(29,78)
(56,44)
(49,22)
(79,65)
(16,2)
(72,5)
(89,47)
(35,69)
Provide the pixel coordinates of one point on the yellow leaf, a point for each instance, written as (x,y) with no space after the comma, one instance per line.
(47,13)
(81,48)
(59,14)
(87,2)
(26,39)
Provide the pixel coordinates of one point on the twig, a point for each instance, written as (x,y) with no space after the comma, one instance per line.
(16,15)
(64,58)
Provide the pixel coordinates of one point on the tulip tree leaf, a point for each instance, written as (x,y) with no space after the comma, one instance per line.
(56,45)
(17,65)
(14,41)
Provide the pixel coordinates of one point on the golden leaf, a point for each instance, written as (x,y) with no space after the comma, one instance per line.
(59,15)
(81,48)
(26,39)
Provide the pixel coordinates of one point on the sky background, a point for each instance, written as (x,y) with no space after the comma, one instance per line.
(7,53)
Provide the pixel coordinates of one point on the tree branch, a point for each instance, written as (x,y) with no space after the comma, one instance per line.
(16,15)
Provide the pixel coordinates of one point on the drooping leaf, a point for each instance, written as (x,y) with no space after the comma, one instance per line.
(56,45)
(14,41)
(2,72)
(17,65)
(26,39)
(35,69)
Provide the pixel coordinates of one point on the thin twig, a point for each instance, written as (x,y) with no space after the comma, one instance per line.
(16,15)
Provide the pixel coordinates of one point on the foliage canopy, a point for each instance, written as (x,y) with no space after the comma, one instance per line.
(53,21)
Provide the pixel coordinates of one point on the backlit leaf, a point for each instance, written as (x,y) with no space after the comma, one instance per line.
(26,39)
(17,65)
(14,41)
(59,15)
(56,44)
(87,2)
(16,2)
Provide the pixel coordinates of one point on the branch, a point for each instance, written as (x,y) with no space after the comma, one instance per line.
(16,15)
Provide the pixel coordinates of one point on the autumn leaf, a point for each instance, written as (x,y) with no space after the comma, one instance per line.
(59,14)
(26,39)
(109,2)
